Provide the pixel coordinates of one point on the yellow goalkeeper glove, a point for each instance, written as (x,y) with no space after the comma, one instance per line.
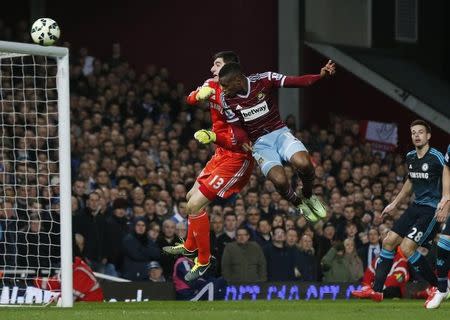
(204,93)
(205,136)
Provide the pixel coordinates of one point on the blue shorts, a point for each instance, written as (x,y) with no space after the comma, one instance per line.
(273,148)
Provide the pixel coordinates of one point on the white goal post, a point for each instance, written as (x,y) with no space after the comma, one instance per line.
(15,63)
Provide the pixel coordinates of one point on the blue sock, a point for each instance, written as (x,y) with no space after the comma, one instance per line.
(383,267)
(442,262)
(421,264)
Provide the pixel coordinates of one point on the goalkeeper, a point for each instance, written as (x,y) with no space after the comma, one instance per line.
(225,174)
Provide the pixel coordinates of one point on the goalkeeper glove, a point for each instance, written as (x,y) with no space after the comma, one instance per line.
(205,136)
(204,93)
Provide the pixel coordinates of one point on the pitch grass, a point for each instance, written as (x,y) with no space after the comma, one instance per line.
(258,310)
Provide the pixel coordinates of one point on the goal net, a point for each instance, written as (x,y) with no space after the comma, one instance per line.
(35,212)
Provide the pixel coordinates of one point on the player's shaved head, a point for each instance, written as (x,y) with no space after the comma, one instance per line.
(230,70)
(227,56)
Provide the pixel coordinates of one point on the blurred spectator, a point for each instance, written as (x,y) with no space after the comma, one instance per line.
(371,249)
(327,239)
(117,229)
(307,264)
(228,235)
(167,238)
(292,238)
(263,234)
(341,263)
(280,258)
(139,251)
(253,216)
(91,225)
(243,260)
(181,230)
(155,272)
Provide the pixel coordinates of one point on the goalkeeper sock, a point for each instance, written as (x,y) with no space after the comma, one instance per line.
(190,243)
(201,233)
(442,262)
(307,178)
(421,264)
(383,267)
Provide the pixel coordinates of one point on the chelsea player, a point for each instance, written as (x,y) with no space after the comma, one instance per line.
(418,224)
(443,246)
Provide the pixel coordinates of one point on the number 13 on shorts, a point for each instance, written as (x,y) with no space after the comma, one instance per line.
(216,182)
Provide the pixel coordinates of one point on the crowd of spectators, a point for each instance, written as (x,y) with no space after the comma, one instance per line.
(134,158)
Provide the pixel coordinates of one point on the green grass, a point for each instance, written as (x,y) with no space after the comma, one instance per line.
(258,310)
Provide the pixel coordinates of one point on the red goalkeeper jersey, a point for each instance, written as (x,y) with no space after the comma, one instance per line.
(229,137)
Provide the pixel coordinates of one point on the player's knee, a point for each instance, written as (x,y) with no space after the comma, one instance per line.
(280,181)
(303,163)
(408,248)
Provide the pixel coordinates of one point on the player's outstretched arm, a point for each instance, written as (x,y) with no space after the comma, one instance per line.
(406,191)
(201,94)
(308,79)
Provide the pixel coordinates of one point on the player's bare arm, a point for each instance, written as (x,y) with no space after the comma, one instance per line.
(405,192)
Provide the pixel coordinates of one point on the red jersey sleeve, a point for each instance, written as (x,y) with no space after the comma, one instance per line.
(191,100)
(231,138)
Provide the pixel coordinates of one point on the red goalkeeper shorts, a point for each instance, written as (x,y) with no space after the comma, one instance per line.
(225,175)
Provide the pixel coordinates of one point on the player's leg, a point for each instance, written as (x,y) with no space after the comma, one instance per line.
(390,243)
(281,182)
(269,160)
(302,162)
(386,259)
(189,247)
(192,190)
(198,221)
(418,261)
(219,183)
(278,176)
(292,150)
(422,231)
(442,268)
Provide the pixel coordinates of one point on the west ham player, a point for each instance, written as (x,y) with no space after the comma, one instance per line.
(250,101)
(443,250)
(226,173)
(417,225)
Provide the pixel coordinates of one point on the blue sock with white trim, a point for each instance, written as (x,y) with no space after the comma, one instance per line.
(420,264)
(442,262)
(384,265)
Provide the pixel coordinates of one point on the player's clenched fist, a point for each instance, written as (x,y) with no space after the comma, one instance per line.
(205,136)
(204,93)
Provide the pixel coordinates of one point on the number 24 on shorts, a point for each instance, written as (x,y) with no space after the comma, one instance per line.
(216,182)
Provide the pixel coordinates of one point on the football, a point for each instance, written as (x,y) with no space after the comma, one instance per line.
(45,31)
